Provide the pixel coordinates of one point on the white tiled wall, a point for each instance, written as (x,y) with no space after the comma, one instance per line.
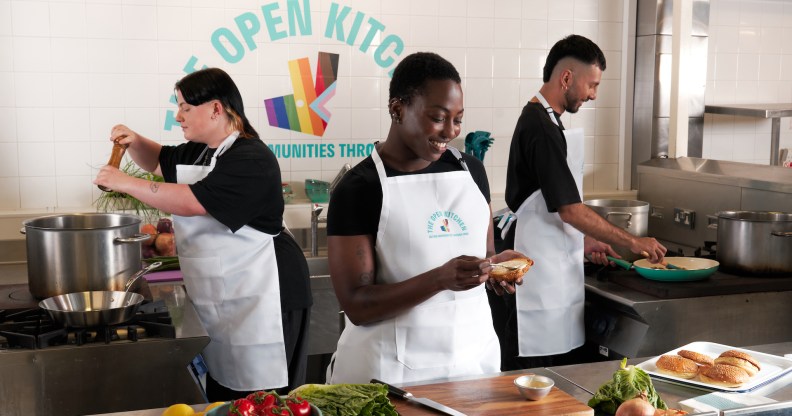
(749,62)
(71,69)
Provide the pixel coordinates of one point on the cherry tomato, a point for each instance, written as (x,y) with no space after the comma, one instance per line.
(264,400)
(299,406)
(242,407)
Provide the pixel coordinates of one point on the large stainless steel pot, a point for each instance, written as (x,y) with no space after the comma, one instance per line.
(755,242)
(628,214)
(81,252)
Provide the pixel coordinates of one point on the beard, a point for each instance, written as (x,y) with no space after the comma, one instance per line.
(571,102)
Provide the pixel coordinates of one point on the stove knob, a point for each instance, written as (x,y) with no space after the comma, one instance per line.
(600,326)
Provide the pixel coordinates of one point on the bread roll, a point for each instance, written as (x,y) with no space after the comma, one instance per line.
(677,366)
(511,270)
(699,358)
(724,375)
(739,359)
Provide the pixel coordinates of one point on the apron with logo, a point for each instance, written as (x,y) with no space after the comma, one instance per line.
(550,302)
(426,220)
(232,278)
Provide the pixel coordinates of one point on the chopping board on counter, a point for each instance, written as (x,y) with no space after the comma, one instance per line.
(496,396)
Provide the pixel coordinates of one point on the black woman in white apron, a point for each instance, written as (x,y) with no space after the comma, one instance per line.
(544,188)
(410,243)
(247,279)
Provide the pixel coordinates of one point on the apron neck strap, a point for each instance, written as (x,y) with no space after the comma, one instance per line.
(458,155)
(548,108)
(225,145)
(378,164)
(381,166)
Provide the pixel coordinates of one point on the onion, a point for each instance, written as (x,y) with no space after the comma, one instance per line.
(635,407)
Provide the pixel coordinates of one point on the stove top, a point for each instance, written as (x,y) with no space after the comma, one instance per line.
(718,284)
(23,325)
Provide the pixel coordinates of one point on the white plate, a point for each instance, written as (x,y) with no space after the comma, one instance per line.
(773,367)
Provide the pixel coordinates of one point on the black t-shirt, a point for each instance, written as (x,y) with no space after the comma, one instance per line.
(356,203)
(537,160)
(244,188)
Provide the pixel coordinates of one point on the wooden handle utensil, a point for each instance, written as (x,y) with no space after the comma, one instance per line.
(115,158)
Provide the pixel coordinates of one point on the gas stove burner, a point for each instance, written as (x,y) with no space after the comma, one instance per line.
(34,329)
(21,295)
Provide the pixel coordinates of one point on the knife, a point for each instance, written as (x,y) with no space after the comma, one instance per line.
(420,400)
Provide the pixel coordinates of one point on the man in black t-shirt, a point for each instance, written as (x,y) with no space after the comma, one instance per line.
(544,320)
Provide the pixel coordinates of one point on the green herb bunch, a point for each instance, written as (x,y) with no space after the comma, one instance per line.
(118,201)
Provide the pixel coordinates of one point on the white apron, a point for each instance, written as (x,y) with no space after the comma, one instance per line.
(426,220)
(232,278)
(550,303)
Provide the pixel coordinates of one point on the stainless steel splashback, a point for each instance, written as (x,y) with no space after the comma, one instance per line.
(685,194)
(652,93)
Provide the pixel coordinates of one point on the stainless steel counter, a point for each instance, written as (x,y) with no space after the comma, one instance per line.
(743,175)
(100,378)
(631,323)
(582,380)
(591,376)
(772,111)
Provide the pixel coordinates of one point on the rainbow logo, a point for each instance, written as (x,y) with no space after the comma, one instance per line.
(305,110)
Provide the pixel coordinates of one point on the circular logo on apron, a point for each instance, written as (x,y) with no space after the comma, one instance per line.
(445,224)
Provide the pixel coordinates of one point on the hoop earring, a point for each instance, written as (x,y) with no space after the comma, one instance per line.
(395,117)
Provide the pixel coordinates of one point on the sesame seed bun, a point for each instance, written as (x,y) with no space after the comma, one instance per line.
(739,359)
(509,273)
(677,366)
(699,358)
(724,375)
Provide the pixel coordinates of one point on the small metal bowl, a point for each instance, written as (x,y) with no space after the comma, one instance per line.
(534,387)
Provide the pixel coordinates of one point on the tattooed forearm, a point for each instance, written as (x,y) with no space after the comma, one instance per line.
(154,187)
(366,278)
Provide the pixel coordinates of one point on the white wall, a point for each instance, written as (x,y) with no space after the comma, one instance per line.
(749,61)
(70,70)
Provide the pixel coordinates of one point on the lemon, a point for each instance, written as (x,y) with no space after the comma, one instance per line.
(180,409)
(212,406)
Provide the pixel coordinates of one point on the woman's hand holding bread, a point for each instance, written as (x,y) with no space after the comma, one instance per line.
(506,270)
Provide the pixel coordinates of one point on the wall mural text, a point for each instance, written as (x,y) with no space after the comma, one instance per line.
(305,109)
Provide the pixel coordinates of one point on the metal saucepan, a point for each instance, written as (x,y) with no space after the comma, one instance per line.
(69,253)
(690,268)
(96,308)
(755,242)
(630,215)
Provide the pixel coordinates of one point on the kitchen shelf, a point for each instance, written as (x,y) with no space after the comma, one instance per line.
(771,111)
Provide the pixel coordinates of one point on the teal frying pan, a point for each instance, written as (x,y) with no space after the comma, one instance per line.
(689,268)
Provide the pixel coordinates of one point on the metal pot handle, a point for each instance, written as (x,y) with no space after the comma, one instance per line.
(781,233)
(134,239)
(132,279)
(23,231)
(628,214)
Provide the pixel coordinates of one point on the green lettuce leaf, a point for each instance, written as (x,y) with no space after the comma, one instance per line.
(348,399)
(627,382)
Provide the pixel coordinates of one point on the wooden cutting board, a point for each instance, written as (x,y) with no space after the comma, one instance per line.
(490,396)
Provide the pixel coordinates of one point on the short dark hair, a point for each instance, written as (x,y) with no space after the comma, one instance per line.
(411,74)
(210,84)
(573,46)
